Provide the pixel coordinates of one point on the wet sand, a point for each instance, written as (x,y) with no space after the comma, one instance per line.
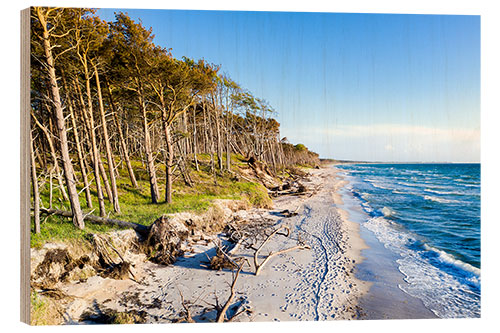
(384,300)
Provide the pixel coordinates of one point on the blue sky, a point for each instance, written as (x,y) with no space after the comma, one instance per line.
(350,86)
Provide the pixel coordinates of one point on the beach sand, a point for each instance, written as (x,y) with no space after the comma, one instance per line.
(311,284)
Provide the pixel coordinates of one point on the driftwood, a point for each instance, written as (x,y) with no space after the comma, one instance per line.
(289,213)
(187,317)
(221,313)
(259,266)
(221,310)
(295,191)
(141,229)
(292,187)
(223,258)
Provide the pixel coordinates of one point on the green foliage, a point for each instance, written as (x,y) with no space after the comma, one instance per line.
(136,205)
(255,193)
(300,147)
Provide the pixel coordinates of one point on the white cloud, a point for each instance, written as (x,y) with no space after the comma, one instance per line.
(391,142)
(388,130)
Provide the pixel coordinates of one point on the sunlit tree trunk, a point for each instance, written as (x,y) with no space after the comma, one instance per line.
(195,132)
(76,135)
(107,144)
(121,139)
(153,182)
(61,127)
(89,119)
(55,167)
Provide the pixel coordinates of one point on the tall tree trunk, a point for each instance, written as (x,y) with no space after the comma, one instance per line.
(150,165)
(105,181)
(50,187)
(89,119)
(168,164)
(83,169)
(228,135)
(185,143)
(195,131)
(61,127)
(34,184)
(121,139)
(169,160)
(205,127)
(109,155)
(218,135)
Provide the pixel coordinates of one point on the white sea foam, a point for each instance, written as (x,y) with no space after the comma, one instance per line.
(443,192)
(378,185)
(472,185)
(440,200)
(448,258)
(387,212)
(410,184)
(441,292)
(398,192)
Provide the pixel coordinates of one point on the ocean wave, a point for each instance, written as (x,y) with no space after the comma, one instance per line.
(434,185)
(440,200)
(448,293)
(377,185)
(440,292)
(443,192)
(449,259)
(398,192)
(410,184)
(468,182)
(472,185)
(387,212)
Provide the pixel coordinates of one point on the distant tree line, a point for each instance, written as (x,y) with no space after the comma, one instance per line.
(103,94)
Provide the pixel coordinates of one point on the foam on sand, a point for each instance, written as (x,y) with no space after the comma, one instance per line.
(447,286)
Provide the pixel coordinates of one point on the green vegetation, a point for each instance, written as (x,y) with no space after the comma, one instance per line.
(136,206)
(43,310)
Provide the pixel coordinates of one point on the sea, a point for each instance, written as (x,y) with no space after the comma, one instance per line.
(428,216)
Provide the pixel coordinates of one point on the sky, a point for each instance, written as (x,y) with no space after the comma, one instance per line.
(371,87)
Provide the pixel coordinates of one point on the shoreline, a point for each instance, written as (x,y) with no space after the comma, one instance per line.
(385,299)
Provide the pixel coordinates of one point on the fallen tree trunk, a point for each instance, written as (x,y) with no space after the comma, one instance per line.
(140,228)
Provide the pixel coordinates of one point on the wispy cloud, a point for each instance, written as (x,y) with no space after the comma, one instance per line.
(392,142)
(397,130)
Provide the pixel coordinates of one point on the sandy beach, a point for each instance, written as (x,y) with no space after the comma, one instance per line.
(309,284)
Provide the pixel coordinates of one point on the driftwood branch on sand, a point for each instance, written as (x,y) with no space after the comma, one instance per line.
(259,266)
(221,313)
(221,310)
(293,188)
(141,229)
(188,318)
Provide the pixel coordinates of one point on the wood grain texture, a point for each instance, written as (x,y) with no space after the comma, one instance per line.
(25,166)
